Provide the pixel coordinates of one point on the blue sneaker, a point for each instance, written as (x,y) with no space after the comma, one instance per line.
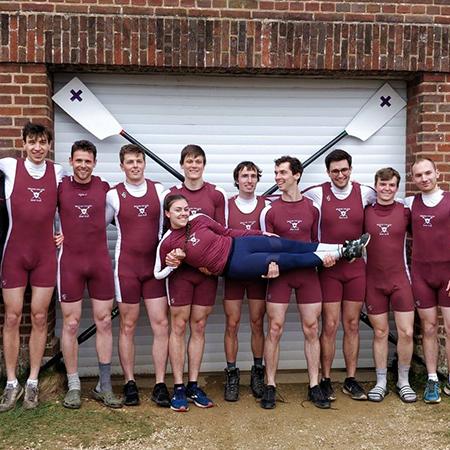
(179,402)
(432,393)
(199,397)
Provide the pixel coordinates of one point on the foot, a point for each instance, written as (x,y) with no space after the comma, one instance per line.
(407,394)
(355,248)
(377,394)
(231,390)
(179,402)
(72,399)
(354,389)
(160,395)
(268,400)
(107,398)
(131,394)
(31,397)
(432,393)
(257,381)
(327,389)
(9,398)
(198,397)
(317,397)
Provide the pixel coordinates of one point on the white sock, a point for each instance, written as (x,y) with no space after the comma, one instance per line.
(433,376)
(73,381)
(403,376)
(31,382)
(382,377)
(12,384)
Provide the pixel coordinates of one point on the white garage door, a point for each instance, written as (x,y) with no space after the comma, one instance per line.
(232,118)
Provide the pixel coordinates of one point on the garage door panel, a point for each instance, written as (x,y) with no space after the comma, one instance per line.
(232,118)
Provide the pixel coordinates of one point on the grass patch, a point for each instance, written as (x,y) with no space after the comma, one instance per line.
(51,426)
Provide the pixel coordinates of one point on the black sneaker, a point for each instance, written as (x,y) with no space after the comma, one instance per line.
(354,389)
(257,381)
(268,400)
(160,395)
(231,391)
(355,248)
(131,394)
(317,397)
(327,389)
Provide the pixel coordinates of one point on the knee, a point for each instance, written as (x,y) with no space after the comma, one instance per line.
(198,327)
(275,330)
(12,320)
(39,319)
(127,327)
(429,328)
(257,325)
(330,327)
(381,333)
(351,326)
(160,327)
(104,324)
(71,326)
(406,333)
(232,326)
(310,330)
(178,328)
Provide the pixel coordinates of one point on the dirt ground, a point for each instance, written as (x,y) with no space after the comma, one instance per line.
(294,423)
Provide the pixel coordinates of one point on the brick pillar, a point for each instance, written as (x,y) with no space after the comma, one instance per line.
(25,94)
(428,134)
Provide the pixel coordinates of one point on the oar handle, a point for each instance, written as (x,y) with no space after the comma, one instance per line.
(313,157)
(152,155)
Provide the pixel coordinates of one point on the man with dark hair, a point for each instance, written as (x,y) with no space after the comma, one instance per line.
(81,206)
(388,283)
(430,265)
(135,205)
(29,256)
(191,293)
(294,217)
(244,212)
(341,203)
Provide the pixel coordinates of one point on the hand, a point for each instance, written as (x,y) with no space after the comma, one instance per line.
(273,271)
(205,271)
(58,239)
(266,233)
(175,257)
(329,261)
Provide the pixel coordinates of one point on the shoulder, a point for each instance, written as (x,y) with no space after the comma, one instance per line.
(409,201)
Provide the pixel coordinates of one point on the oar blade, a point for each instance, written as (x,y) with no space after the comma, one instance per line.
(378,110)
(81,104)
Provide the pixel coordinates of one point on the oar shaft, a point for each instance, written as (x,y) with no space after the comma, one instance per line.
(313,157)
(152,155)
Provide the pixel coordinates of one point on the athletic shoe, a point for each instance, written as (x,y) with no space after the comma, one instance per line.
(198,397)
(317,397)
(231,391)
(257,381)
(31,397)
(72,399)
(327,389)
(354,389)
(160,395)
(131,394)
(447,388)
(355,248)
(432,393)
(107,398)
(268,400)
(10,396)
(179,401)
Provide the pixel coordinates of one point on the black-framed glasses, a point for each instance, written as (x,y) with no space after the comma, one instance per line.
(344,171)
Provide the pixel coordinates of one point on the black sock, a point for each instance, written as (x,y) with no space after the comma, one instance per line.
(231,365)
(191,384)
(177,386)
(258,362)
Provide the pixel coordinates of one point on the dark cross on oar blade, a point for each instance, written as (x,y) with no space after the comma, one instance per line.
(385,101)
(77,95)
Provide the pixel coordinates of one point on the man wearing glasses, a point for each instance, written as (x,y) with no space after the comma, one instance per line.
(342,205)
